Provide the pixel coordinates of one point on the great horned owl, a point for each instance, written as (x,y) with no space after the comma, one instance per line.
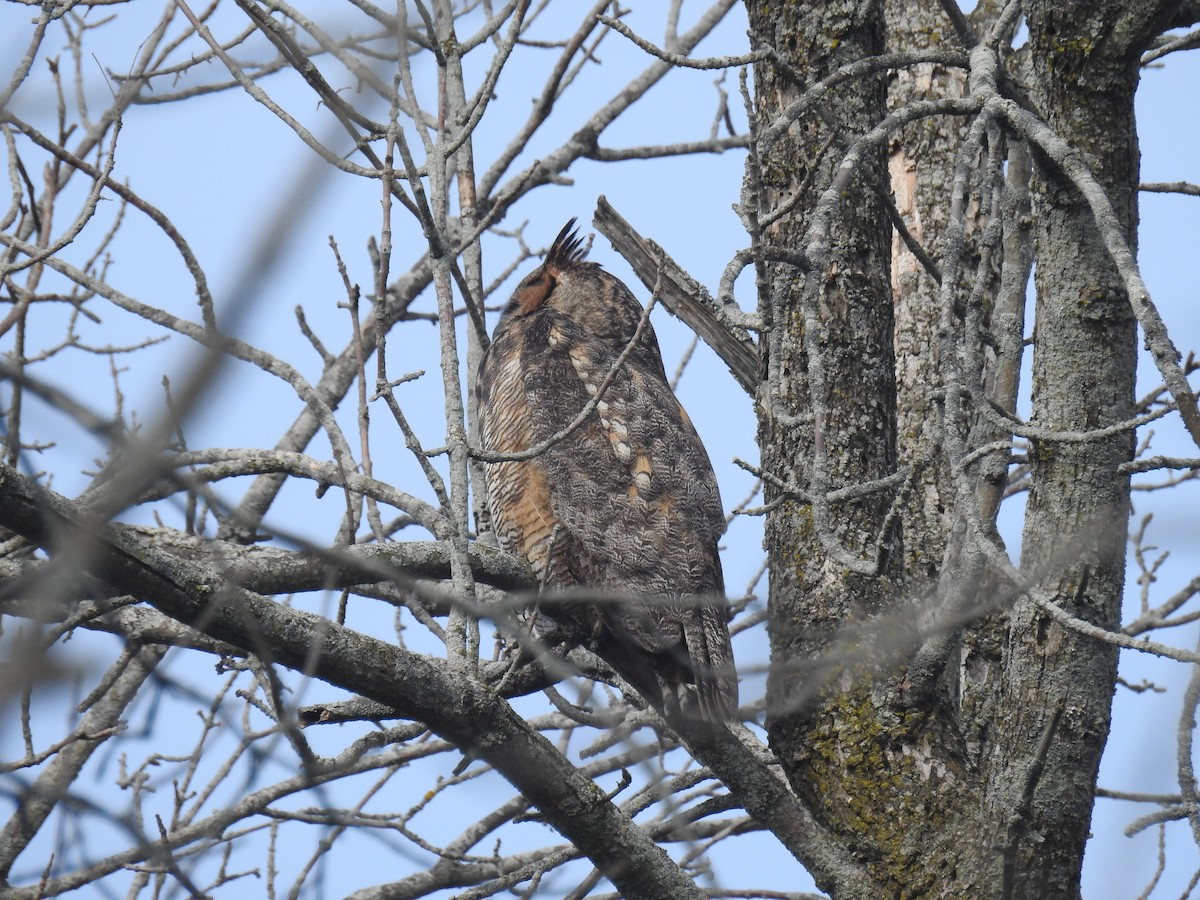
(627,503)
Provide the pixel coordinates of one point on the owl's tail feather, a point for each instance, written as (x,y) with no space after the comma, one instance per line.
(711,657)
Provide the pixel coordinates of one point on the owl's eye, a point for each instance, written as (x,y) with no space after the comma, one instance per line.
(532,293)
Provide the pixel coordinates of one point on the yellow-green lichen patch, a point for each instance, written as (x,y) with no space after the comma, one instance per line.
(876,779)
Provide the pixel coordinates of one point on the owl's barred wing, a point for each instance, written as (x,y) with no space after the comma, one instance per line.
(635,481)
(635,492)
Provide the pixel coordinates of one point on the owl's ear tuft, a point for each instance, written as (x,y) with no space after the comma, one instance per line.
(567,247)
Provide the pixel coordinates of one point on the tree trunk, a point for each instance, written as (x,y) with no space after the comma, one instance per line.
(959,764)
(826,423)
(1045,754)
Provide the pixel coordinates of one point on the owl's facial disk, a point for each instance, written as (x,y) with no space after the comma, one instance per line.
(532,293)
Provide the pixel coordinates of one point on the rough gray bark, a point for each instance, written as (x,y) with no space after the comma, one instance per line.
(1083,73)
(953,761)
(849,428)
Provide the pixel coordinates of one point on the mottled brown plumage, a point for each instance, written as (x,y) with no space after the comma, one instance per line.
(626,504)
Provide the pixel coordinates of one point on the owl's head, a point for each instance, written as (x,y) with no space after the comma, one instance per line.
(566,288)
(563,269)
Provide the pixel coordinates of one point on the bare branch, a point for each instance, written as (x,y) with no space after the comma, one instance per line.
(721,328)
